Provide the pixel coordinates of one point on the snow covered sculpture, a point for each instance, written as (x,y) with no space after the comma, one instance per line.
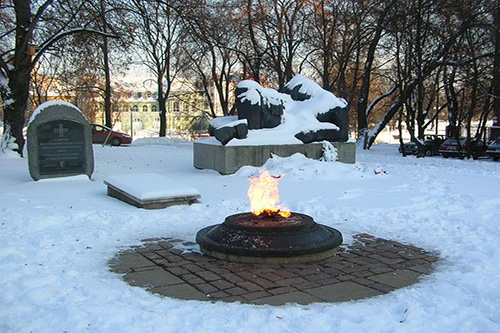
(261,107)
(227,128)
(302,113)
(326,108)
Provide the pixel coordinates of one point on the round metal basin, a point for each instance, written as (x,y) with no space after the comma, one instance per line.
(270,239)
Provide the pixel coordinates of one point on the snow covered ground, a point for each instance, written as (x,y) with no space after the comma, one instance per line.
(57,236)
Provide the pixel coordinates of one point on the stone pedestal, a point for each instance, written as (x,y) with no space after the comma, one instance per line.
(229,159)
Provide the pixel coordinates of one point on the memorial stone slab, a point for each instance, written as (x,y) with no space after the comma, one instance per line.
(150,191)
(59,142)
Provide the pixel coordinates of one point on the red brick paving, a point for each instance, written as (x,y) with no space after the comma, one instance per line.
(228,281)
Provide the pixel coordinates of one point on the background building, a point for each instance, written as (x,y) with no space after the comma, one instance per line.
(137,112)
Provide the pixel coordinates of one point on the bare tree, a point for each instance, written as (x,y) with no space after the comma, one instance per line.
(282,25)
(469,83)
(44,80)
(212,49)
(111,53)
(252,48)
(494,9)
(42,24)
(434,32)
(380,17)
(158,36)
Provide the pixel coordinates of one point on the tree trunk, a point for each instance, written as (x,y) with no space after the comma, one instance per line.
(107,74)
(372,135)
(496,64)
(256,61)
(15,112)
(162,101)
(366,78)
(107,87)
(16,99)
(400,131)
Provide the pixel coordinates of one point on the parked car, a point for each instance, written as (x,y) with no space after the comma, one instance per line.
(411,148)
(493,150)
(451,148)
(431,145)
(101,134)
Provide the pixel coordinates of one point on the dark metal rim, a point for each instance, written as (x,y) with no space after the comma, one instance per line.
(205,242)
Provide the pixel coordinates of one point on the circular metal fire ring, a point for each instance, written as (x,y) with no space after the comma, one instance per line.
(270,239)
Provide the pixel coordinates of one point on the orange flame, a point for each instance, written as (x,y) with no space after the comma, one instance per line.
(264,195)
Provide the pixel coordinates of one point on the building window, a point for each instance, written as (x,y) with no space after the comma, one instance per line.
(144,108)
(176,107)
(186,107)
(135,108)
(154,108)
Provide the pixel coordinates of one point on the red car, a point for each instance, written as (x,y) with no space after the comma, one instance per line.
(451,148)
(101,134)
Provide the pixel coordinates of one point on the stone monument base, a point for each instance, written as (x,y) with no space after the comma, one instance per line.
(229,159)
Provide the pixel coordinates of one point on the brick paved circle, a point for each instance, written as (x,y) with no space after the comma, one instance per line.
(369,267)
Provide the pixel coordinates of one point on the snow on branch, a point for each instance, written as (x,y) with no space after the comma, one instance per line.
(7,141)
(379,98)
(4,66)
(38,16)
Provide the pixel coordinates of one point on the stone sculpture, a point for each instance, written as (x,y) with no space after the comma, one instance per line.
(310,113)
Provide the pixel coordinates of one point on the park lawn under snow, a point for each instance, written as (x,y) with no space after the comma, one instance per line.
(57,236)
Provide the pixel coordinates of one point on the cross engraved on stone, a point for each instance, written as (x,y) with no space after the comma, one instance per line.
(61,130)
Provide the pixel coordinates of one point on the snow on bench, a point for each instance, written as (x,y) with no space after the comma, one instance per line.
(150,191)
